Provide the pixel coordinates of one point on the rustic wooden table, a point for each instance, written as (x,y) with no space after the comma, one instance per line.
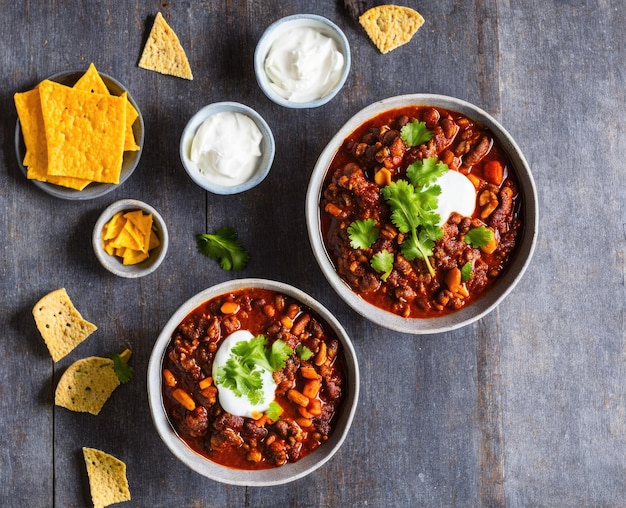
(527,407)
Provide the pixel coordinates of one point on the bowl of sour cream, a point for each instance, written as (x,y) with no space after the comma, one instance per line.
(302,61)
(227,148)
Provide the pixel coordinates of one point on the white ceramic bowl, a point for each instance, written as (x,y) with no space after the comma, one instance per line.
(284,25)
(265,477)
(95,189)
(517,263)
(268,147)
(114,264)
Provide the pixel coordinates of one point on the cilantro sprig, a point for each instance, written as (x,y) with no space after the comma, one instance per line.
(413,206)
(223,247)
(242,371)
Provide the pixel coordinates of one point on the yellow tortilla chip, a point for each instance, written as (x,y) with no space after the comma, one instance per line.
(60,324)
(390,26)
(86,385)
(107,478)
(129,235)
(28,105)
(92,82)
(163,52)
(84,132)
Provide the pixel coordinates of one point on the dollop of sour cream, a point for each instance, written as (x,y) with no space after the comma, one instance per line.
(458,194)
(304,65)
(227,148)
(230,402)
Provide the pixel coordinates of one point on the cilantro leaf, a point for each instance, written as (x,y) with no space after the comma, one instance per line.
(402,198)
(123,371)
(242,371)
(278,354)
(426,171)
(382,262)
(415,133)
(467,271)
(274,411)
(478,237)
(251,352)
(413,211)
(241,380)
(223,247)
(303,352)
(362,233)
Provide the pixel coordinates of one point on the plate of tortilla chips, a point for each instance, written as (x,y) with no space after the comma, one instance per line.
(79,134)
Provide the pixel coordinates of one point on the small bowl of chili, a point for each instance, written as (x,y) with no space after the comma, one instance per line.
(422,213)
(252,382)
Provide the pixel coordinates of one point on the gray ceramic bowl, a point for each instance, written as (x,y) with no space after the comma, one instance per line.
(114,264)
(508,279)
(284,25)
(267,147)
(95,189)
(266,477)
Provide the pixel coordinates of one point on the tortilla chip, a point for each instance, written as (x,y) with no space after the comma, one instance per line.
(130,236)
(86,385)
(28,105)
(84,132)
(163,52)
(107,478)
(92,82)
(390,26)
(60,324)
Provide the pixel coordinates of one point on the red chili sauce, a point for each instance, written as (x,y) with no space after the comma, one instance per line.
(309,391)
(373,156)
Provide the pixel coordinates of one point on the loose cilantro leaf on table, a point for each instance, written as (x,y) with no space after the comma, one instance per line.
(242,371)
(478,237)
(223,247)
(362,233)
(415,133)
(382,262)
(123,371)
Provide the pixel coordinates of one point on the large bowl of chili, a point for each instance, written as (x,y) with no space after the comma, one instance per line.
(379,237)
(317,386)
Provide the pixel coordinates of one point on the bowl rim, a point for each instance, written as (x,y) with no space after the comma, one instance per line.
(508,279)
(268,143)
(266,40)
(110,262)
(265,477)
(95,189)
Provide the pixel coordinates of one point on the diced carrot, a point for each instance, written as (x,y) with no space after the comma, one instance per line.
(184,398)
(493,172)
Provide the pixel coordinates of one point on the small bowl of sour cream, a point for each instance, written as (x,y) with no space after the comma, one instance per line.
(302,61)
(227,148)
